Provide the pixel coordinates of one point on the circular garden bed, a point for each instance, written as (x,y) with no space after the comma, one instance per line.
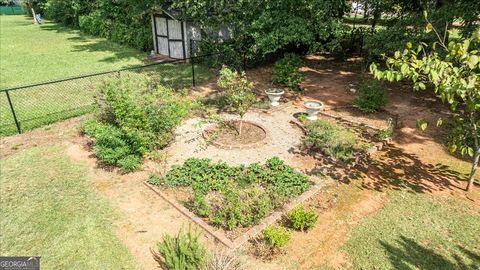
(235,134)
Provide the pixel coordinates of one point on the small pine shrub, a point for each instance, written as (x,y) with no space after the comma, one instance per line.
(182,252)
(302,219)
(371,96)
(276,237)
(285,72)
(332,139)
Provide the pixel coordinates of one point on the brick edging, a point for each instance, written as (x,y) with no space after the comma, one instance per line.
(187,213)
(252,232)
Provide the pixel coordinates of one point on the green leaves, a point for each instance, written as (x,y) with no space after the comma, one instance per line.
(238,90)
(243,195)
(421,124)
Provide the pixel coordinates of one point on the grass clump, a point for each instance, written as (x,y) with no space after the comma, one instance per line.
(236,196)
(371,96)
(136,116)
(302,219)
(332,139)
(285,71)
(181,252)
(276,237)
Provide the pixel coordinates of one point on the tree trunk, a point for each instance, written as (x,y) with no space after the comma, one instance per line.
(471,178)
(476,157)
(241,126)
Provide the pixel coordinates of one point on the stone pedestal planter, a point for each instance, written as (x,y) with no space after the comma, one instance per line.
(312,108)
(274,95)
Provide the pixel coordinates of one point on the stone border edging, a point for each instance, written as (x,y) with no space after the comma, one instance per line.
(252,232)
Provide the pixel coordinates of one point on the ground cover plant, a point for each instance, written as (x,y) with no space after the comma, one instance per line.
(135,116)
(285,71)
(236,196)
(332,140)
(371,96)
(50,208)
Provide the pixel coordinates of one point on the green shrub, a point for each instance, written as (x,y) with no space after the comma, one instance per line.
(276,237)
(182,252)
(302,219)
(371,96)
(332,139)
(285,71)
(242,195)
(111,146)
(136,116)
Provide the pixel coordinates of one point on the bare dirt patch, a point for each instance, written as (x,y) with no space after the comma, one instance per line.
(235,134)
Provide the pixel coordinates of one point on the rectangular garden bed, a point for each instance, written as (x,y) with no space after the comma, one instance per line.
(234,203)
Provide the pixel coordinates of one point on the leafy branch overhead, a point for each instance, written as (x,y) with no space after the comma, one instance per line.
(453,71)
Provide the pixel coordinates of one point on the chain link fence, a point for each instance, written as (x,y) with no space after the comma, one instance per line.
(26,107)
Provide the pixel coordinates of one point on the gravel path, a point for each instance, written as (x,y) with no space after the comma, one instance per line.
(282,140)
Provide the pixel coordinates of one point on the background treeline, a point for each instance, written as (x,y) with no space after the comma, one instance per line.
(264,29)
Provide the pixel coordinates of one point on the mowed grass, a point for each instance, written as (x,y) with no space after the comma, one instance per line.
(50,209)
(31,53)
(417,231)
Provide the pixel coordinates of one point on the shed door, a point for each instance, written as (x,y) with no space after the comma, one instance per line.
(175,37)
(170,37)
(162,35)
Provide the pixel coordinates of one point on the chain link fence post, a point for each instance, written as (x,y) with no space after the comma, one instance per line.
(17,124)
(192,62)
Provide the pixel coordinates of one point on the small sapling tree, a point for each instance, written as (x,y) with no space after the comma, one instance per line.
(238,92)
(453,70)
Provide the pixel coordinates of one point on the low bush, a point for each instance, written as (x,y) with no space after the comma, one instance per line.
(276,237)
(136,116)
(371,96)
(301,219)
(111,145)
(332,139)
(285,71)
(182,252)
(233,196)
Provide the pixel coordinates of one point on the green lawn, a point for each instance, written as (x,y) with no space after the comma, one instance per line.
(418,231)
(30,53)
(50,209)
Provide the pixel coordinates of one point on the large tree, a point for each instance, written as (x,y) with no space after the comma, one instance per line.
(268,26)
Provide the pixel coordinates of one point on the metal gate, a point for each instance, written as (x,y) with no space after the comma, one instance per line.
(170,37)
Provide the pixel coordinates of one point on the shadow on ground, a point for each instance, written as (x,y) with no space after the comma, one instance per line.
(84,42)
(395,169)
(411,255)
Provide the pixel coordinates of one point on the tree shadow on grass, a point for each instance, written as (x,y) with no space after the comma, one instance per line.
(409,255)
(396,169)
(84,42)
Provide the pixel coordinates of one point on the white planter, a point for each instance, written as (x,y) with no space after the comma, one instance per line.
(312,109)
(274,96)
